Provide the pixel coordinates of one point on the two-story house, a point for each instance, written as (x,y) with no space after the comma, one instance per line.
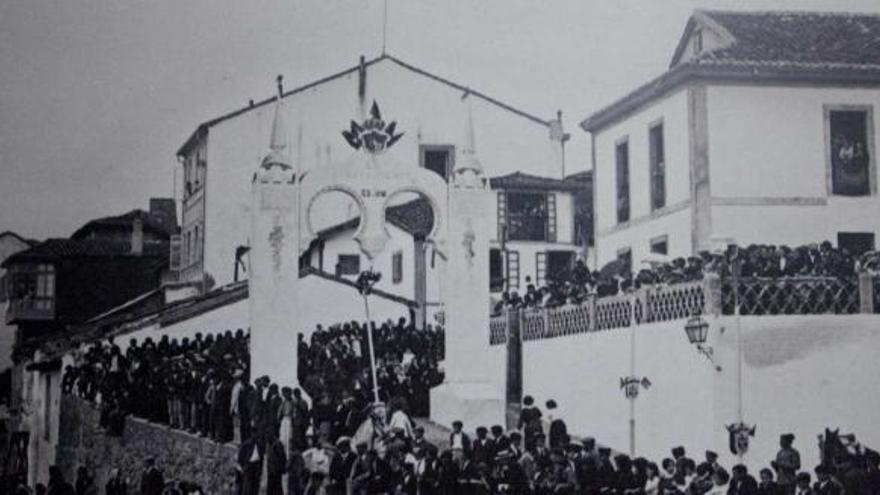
(761,131)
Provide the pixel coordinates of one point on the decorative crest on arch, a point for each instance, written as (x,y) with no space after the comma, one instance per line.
(373,135)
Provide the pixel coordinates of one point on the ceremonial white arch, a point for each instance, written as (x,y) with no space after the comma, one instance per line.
(281,230)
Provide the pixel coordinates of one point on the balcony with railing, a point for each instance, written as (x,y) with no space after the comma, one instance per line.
(30,309)
(661,303)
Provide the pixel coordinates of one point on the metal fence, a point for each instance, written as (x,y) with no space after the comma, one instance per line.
(792,296)
(757,296)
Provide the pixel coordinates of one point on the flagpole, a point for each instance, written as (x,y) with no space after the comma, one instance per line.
(372,350)
(384,24)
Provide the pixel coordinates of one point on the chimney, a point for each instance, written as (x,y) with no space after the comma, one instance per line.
(137,237)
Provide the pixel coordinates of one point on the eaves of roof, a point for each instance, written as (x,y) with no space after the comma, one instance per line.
(733,72)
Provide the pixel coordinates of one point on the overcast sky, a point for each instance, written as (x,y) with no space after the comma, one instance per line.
(97,95)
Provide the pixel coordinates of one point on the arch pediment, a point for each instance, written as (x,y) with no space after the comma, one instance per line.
(372,180)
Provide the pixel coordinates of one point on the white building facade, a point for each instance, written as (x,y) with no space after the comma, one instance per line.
(741,142)
(220,156)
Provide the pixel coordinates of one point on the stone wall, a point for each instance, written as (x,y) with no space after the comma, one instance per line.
(180,455)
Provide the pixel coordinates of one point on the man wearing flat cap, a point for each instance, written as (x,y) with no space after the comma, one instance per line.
(787,464)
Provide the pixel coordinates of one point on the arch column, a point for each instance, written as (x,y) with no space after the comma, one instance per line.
(273,282)
(473,390)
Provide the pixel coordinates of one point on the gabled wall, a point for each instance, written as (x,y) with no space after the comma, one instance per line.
(427,111)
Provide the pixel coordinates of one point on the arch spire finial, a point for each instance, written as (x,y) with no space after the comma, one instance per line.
(278,137)
(469,168)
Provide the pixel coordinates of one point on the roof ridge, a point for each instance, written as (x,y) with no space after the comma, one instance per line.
(469,90)
(257,104)
(828,13)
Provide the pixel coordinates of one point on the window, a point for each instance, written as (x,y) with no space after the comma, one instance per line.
(33,286)
(197,251)
(187,255)
(512,270)
(437,157)
(496,270)
(624,256)
(849,160)
(622,167)
(530,216)
(856,243)
(397,267)
(348,264)
(175,255)
(660,245)
(698,42)
(658,167)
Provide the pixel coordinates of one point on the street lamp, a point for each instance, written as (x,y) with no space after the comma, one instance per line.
(697,329)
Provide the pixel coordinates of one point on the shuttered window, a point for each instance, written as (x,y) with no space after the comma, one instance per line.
(512,270)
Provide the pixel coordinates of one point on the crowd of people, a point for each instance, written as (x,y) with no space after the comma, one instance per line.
(202,385)
(152,482)
(192,384)
(391,456)
(335,364)
(575,285)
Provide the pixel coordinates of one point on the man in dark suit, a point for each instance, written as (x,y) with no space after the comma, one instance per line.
(742,483)
(459,442)
(276,466)
(250,461)
(481,447)
(826,483)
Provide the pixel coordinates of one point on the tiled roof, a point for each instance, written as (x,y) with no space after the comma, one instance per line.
(777,47)
(124,221)
(820,39)
(519,180)
(51,249)
(32,242)
(415,217)
(583,176)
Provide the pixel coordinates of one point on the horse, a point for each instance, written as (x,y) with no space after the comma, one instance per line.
(834,448)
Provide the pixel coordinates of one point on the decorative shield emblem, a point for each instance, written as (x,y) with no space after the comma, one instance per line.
(631,385)
(739,437)
(373,135)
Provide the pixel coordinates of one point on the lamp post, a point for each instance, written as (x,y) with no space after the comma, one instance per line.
(365,282)
(632,383)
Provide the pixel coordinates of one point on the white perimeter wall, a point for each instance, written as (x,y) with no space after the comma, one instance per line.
(800,375)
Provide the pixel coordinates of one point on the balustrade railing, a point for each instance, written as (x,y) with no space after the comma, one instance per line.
(498,330)
(758,296)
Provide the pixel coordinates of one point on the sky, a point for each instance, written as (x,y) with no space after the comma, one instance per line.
(96,96)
